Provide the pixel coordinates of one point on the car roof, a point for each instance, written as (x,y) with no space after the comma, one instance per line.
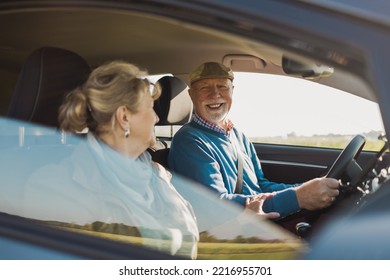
(375,11)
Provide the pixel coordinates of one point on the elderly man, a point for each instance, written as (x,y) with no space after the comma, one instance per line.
(212,151)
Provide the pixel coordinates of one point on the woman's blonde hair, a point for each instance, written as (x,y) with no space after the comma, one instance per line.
(108,87)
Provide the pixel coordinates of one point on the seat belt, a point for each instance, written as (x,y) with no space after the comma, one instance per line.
(238,189)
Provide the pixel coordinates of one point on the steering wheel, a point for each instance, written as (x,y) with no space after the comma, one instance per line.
(344,164)
(348,155)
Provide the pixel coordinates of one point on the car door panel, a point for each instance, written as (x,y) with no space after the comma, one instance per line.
(292,164)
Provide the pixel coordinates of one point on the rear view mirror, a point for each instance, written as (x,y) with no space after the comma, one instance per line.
(305,69)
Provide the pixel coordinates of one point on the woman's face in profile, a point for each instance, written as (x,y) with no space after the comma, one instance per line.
(142,123)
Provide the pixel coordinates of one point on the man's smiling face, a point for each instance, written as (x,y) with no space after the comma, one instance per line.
(212,99)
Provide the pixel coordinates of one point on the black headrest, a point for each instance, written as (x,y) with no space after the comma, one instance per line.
(174,107)
(47,75)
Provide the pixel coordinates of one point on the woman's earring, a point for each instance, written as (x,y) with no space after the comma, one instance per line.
(127,132)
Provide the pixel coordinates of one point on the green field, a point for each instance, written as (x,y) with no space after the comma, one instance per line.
(247,251)
(220,251)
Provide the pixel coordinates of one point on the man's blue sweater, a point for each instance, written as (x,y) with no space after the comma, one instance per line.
(210,158)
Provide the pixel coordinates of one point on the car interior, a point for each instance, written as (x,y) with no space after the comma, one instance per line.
(123,36)
(41,87)
(47,74)
(50,51)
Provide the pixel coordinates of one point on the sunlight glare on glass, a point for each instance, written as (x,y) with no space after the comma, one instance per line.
(270,105)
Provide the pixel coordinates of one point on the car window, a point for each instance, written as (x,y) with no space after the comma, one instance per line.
(292,111)
(284,110)
(35,157)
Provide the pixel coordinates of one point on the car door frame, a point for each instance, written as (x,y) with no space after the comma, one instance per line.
(295,164)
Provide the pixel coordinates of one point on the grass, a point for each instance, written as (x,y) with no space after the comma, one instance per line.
(216,250)
(248,251)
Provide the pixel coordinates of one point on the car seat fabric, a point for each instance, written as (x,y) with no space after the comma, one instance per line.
(46,76)
(174,107)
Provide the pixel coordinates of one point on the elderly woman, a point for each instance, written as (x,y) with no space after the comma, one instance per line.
(110,178)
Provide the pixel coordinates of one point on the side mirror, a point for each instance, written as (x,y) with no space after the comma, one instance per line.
(305,69)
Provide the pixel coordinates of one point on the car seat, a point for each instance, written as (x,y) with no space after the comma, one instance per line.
(174,107)
(46,76)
